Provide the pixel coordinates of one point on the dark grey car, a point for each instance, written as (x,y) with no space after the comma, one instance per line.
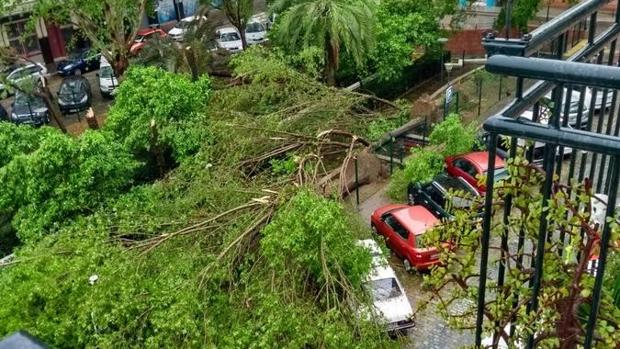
(74,95)
(29,109)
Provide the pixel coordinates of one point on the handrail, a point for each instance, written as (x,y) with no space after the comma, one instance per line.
(564,72)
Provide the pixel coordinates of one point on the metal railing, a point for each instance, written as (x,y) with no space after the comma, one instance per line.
(593,137)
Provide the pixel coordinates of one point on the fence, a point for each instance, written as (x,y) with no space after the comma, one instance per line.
(593,138)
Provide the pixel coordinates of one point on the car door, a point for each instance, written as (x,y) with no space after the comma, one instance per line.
(398,239)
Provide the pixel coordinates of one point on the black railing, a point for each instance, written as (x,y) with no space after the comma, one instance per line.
(593,137)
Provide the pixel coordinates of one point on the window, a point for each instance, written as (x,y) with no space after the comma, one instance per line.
(397,227)
(466,166)
(383,289)
(436,195)
(26,45)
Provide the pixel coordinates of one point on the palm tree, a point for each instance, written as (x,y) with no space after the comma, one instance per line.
(330,24)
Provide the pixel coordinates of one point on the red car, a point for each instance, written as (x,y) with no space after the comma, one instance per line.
(403,226)
(143,36)
(472,166)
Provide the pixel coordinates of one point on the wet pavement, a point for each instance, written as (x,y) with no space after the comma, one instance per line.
(431,331)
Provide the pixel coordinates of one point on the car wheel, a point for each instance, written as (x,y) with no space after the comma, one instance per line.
(407,265)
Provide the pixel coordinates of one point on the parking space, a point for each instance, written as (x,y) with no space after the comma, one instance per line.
(75,123)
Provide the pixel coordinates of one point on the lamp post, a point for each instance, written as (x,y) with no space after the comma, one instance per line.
(442,42)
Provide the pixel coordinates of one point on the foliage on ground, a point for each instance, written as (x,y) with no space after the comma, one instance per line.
(193,259)
(173,103)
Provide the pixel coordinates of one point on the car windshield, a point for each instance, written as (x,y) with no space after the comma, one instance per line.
(254,27)
(76,55)
(24,99)
(229,37)
(106,72)
(70,88)
(383,289)
(183,24)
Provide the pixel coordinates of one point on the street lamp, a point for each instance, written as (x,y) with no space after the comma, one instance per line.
(442,42)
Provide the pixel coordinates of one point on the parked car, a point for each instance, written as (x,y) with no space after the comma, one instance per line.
(21,73)
(4,116)
(177,33)
(107,81)
(472,166)
(390,302)
(228,38)
(79,62)
(573,111)
(74,94)
(255,32)
(403,228)
(434,194)
(143,37)
(29,109)
(598,100)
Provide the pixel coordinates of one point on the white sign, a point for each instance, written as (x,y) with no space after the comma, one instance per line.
(449,94)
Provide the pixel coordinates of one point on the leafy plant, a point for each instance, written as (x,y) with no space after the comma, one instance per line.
(452,136)
(62,179)
(566,285)
(159,112)
(421,166)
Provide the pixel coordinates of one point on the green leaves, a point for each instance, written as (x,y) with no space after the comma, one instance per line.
(61,178)
(175,104)
(453,137)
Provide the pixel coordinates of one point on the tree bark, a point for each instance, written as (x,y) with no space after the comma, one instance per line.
(52,107)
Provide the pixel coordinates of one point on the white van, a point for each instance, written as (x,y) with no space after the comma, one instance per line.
(107,81)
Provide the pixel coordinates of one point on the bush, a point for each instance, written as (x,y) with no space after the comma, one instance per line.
(421,166)
(453,137)
(64,177)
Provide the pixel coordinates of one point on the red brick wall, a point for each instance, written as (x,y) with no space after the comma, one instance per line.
(470,42)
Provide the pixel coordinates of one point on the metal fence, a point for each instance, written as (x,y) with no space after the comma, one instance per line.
(593,136)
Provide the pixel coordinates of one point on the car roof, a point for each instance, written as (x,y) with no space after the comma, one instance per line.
(481,160)
(416,219)
(146,31)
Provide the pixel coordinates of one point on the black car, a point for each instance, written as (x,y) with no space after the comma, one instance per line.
(29,109)
(79,62)
(433,195)
(74,94)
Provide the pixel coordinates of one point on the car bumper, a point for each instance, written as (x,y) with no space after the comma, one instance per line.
(400,325)
(74,108)
(426,265)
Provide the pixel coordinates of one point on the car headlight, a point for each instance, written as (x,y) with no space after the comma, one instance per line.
(68,67)
(14,116)
(61,102)
(84,99)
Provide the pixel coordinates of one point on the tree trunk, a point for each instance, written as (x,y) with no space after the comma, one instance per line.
(244,42)
(120,65)
(330,64)
(53,108)
(191,62)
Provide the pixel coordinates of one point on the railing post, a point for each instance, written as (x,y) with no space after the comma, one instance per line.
(604,247)
(391,154)
(486,233)
(357,184)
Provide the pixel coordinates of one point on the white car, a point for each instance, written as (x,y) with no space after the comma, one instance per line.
(177,33)
(539,147)
(228,38)
(573,111)
(598,102)
(107,81)
(390,302)
(255,33)
(32,70)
